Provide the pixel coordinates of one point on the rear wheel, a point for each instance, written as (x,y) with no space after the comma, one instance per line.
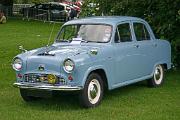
(26,97)
(92,93)
(158,77)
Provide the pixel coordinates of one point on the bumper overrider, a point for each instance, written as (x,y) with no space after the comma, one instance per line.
(35,86)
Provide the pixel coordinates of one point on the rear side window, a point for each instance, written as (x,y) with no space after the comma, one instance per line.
(141,32)
(45,6)
(124,33)
(39,6)
(57,7)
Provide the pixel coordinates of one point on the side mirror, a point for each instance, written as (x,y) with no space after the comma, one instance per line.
(22,49)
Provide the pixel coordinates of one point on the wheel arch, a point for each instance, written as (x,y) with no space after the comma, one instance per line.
(100,71)
(165,66)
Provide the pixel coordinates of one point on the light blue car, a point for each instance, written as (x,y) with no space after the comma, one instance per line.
(93,54)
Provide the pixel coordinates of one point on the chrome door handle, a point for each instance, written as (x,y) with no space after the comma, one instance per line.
(155,45)
(136,46)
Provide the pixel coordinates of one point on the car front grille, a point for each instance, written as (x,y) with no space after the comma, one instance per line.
(42,78)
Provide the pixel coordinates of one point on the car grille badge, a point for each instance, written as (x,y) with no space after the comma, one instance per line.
(41,67)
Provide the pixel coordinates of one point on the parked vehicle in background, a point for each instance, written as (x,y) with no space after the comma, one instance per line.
(17,8)
(59,11)
(73,11)
(78,3)
(53,11)
(76,9)
(93,54)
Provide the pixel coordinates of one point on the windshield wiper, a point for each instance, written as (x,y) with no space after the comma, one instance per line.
(79,40)
(96,41)
(84,41)
(70,40)
(62,40)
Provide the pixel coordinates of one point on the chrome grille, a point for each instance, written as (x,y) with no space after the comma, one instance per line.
(41,78)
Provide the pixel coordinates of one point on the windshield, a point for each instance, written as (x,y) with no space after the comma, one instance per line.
(85,32)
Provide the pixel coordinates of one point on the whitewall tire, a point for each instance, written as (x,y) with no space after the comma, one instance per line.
(92,93)
(158,77)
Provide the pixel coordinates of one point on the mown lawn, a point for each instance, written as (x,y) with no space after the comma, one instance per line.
(134,102)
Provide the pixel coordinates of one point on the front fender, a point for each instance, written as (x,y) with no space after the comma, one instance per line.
(91,69)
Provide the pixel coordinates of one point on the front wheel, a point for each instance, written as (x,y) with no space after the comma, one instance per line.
(92,93)
(158,77)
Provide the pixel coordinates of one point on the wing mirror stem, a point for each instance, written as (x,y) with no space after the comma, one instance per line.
(22,49)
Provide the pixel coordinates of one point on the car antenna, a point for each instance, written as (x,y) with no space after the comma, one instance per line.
(50,36)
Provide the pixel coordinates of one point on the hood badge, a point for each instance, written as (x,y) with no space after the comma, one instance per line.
(41,67)
(94,51)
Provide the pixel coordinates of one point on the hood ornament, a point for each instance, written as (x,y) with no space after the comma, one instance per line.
(22,49)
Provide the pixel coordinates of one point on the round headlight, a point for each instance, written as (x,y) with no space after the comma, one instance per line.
(17,64)
(68,65)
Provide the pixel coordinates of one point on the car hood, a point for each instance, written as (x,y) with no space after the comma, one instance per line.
(64,50)
(53,56)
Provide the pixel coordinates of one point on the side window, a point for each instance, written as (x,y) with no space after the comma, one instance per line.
(39,6)
(124,32)
(141,32)
(57,7)
(68,29)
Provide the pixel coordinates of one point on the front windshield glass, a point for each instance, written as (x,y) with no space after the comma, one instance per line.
(85,32)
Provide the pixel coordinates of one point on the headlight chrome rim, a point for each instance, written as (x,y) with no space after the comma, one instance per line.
(17,64)
(68,65)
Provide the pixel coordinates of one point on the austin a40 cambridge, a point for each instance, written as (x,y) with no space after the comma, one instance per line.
(93,54)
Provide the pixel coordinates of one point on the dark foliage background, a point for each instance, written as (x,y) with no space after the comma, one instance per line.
(162,15)
(6,2)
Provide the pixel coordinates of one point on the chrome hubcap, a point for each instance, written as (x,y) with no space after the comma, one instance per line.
(158,74)
(94,91)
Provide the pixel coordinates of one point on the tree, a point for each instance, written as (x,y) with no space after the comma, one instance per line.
(6,2)
(39,1)
(7,6)
(162,15)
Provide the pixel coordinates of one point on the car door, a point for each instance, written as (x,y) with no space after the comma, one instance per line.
(127,63)
(146,48)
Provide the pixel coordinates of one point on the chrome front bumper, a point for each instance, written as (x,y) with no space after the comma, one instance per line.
(34,86)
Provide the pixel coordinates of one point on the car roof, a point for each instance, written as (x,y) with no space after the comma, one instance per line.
(57,3)
(112,20)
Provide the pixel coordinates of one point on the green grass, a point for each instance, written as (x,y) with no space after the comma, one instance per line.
(134,102)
